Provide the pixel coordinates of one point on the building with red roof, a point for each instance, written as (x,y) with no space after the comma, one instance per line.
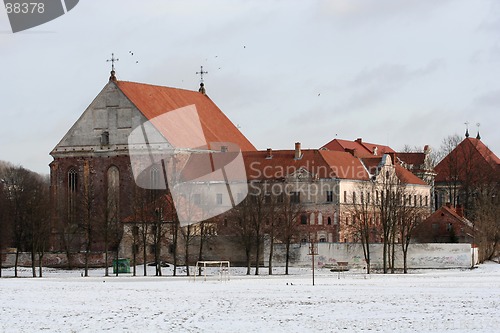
(468,167)
(92,160)
(445,225)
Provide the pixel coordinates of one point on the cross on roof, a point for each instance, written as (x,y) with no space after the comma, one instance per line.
(113,59)
(201,72)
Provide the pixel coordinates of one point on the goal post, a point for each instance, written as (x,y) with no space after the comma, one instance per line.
(222,265)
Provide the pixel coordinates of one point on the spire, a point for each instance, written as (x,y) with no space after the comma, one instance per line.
(478,136)
(113,60)
(466,129)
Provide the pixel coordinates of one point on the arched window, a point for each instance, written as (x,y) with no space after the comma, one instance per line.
(329,220)
(113,203)
(155,178)
(320,218)
(72,194)
(312,218)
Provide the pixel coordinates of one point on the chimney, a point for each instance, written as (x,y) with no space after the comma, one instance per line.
(375,151)
(269,153)
(460,210)
(359,140)
(448,204)
(298,153)
(352,151)
(427,149)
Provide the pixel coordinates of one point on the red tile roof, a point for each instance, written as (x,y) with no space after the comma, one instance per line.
(361,148)
(471,158)
(415,159)
(407,177)
(322,164)
(153,101)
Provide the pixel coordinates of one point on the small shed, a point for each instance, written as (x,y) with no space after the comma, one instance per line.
(122,265)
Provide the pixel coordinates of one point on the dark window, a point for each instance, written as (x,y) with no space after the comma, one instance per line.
(329,220)
(72,191)
(322,240)
(72,180)
(303,219)
(135,230)
(345,196)
(295,197)
(329,196)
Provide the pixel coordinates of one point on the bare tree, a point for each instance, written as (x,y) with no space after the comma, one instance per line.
(240,219)
(289,209)
(88,226)
(486,217)
(363,226)
(409,217)
(28,207)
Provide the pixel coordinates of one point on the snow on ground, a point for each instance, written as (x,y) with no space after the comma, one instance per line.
(423,301)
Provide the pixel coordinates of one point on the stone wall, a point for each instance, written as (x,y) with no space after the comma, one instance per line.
(427,255)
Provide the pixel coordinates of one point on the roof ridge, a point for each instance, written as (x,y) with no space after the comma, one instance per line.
(155,85)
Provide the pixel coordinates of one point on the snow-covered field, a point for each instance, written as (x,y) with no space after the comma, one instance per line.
(423,301)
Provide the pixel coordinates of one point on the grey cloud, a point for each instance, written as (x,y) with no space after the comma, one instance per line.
(488,99)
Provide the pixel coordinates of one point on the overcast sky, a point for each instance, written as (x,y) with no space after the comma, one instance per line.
(390,71)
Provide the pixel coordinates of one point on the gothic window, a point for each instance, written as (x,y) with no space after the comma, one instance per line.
(155,177)
(72,194)
(295,197)
(303,219)
(113,198)
(329,220)
(329,196)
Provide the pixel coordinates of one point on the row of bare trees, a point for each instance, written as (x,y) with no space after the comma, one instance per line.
(384,212)
(275,215)
(24,214)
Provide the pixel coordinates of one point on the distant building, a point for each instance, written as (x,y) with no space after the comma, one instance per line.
(463,171)
(92,162)
(445,225)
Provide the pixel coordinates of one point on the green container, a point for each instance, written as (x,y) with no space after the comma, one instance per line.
(123,265)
